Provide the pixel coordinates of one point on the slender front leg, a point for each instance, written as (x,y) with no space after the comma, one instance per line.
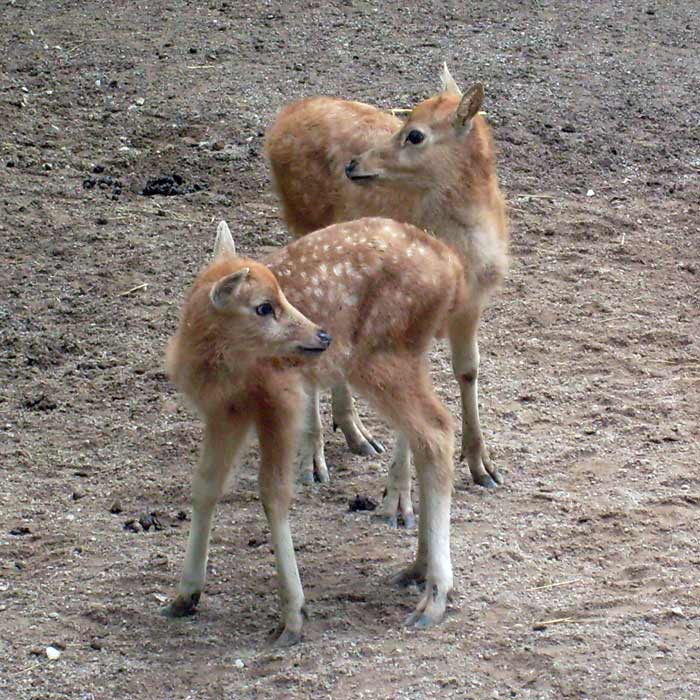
(312,459)
(277,425)
(397,498)
(289,586)
(465,364)
(345,417)
(224,440)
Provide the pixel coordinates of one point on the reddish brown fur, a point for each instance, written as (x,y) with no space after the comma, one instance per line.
(446,185)
(383,290)
(451,192)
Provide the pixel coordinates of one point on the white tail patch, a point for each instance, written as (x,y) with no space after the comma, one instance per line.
(224,244)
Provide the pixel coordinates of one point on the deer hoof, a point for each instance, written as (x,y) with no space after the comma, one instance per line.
(181,606)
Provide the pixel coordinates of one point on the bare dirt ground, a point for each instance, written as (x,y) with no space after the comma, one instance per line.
(590,374)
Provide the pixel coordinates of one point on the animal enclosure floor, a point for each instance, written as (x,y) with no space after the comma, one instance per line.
(579,578)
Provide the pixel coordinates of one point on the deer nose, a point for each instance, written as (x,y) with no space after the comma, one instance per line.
(350,167)
(324,338)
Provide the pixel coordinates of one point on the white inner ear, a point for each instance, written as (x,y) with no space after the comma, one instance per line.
(221,293)
(224,240)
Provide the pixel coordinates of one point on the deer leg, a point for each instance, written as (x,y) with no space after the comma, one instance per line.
(397,496)
(433,564)
(277,431)
(407,399)
(465,364)
(224,440)
(312,459)
(345,417)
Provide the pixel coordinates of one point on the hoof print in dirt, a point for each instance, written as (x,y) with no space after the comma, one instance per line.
(361,503)
(171,186)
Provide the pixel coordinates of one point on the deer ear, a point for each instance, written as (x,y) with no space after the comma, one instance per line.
(221,293)
(448,82)
(469,106)
(224,241)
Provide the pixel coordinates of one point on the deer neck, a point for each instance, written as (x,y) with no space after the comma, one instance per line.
(474,232)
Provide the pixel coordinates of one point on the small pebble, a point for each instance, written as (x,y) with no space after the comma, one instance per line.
(53,653)
(238,663)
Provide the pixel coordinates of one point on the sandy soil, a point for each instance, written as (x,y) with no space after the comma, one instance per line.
(590,374)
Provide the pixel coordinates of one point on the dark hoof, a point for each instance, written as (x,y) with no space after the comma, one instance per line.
(364,449)
(487,481)
(181,607)
(420,621)
(409,521)
(322,477)
(287,639)
(396,521)
(282,638)
(378,447)
(409,578)
(306,478)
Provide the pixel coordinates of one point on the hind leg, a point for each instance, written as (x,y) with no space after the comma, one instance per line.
(224,440)
(345,417)
(397,503)
(465,363)
(400,389)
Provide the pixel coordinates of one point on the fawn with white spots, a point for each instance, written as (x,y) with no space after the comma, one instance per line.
(334,160)
(245,348)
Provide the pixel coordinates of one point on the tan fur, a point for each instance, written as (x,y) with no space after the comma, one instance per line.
(446,185)
(383,290)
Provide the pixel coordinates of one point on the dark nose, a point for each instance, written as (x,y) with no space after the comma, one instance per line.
(324,338)
(350,167)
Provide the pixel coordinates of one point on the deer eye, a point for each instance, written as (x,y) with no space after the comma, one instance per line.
(264,309)
(415,136)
